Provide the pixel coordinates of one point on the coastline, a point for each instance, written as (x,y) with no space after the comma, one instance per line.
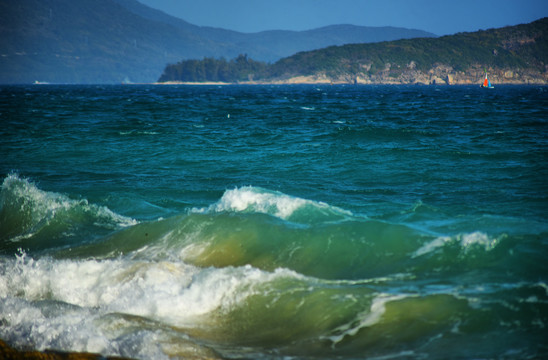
(438,76)
(392,74)
(319,82)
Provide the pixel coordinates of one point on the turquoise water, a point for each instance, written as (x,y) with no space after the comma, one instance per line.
(266,222)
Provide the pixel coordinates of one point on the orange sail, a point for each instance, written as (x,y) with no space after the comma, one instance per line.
(487,82)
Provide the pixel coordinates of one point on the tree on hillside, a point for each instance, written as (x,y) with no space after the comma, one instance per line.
(242,68)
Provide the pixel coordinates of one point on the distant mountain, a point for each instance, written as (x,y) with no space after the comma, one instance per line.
(111,41)
(514,54)
(273,45)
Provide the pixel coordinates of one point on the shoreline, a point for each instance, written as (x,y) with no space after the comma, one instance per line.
(286,83)
(258,83)
(418,79)
(438,75)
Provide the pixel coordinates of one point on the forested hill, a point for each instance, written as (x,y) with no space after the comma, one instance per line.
(515,54)
(111,41)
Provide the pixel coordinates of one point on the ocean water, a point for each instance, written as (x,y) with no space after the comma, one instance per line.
(270,222)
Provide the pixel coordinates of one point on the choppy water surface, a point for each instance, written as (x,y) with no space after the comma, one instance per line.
(160,222)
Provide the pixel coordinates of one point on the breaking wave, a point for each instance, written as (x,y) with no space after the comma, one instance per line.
(34,218)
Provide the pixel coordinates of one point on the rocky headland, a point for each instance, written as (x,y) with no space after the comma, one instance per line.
(439,75)
(510,55)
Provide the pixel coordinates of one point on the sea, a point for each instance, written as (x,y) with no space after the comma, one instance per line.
(275,221)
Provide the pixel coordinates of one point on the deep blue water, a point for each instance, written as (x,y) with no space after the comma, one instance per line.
(275,221)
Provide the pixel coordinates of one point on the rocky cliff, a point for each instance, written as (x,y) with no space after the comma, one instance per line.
(447,75)
(511,55)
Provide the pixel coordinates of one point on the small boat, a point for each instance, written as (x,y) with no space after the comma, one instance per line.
(487,82)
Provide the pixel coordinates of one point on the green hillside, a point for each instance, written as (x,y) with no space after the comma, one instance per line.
(516,47)
(516,54)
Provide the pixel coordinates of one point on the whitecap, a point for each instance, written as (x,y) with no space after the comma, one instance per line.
(251,199)
(467,242)
(172,292)
(29,209)
(366,318)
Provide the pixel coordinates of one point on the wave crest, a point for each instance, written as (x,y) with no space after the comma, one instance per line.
(27,211)
(466,243)
(251,199)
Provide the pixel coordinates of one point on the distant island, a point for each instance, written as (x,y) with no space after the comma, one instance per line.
(510,55)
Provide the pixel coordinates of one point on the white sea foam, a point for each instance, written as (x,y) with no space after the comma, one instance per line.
(60,304)
(255,200)
(52,325)
(432,246)
(366,318)
(465,241)
(32,208)
(139,308)
(258,200)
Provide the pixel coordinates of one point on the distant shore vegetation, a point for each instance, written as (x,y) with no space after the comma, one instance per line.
(242,68)
(513,54)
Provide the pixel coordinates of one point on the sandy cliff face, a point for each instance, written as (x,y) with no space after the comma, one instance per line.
(445,75)
(438,75)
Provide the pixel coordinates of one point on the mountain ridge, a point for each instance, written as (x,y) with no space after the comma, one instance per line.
(112,41)
(513,55)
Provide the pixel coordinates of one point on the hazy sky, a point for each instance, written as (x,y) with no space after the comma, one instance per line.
(438,16)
